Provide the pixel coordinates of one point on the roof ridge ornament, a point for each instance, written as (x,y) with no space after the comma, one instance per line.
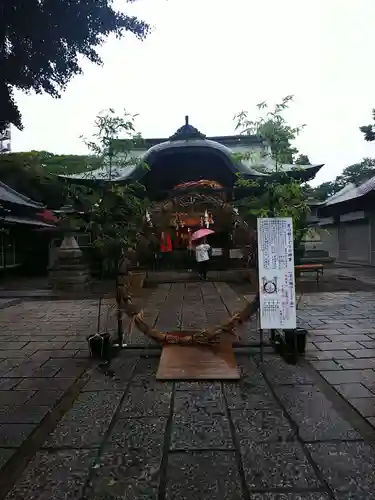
(187,132)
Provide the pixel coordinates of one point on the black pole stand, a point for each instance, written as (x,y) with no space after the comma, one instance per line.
(120,325)
(122,271)
(261,331)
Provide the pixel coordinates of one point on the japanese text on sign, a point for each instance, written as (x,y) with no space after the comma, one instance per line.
(276,273)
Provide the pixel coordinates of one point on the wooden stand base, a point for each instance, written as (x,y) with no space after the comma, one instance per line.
(198,363)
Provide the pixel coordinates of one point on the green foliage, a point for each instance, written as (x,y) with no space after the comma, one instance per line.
(34,174)
(43,43)
(66,164)
(356,174)
(286,198)
(113,213)
(109,152)
(274,128)
(283,197)
(303,160)
(25,172)
(324,190)
(369,130)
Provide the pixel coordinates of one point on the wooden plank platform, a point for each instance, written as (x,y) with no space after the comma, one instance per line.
(198,363)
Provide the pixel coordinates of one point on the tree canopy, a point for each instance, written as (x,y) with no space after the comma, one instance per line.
(42,41)
(34,174)
(302,160)
(114,214)
(285,197)
(355,174)
(369,130)
(274,127)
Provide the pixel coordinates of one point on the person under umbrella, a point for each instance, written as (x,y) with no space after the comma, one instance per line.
(202,251)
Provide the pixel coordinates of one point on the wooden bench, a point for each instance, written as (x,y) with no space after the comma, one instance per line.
(318,269)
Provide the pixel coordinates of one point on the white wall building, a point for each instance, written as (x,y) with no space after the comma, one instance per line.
(5,140)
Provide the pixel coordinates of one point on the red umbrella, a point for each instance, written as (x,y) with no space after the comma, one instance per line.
(201,233)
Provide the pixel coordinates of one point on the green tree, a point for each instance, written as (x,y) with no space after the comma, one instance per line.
(272,125)
(66,164)
(356,174)
(43,41)
(28,174)
(107,150)
(285,197)
(280,196)
(303,160)
(35,174)
(369,130)
(113,213)
(324,190)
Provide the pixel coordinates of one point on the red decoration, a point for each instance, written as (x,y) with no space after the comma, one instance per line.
(48,216)
(165,243)
(201,183)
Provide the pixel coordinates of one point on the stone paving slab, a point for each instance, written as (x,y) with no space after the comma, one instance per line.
(131,436)
(189,306)
(341,346)
(56,476)
(266,437)
(201,475)
(277,465)
(347,467)
(40,359)
(4,303)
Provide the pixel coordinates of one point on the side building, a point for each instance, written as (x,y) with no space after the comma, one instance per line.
(347,221)
(25,228)
(5,140)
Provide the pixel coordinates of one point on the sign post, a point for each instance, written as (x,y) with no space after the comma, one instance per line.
(276,274)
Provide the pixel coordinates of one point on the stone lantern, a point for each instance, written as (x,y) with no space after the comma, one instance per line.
(70,272)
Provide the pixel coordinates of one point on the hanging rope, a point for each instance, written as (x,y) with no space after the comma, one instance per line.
(206,336)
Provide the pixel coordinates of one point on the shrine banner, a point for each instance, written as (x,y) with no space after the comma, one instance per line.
(276,273)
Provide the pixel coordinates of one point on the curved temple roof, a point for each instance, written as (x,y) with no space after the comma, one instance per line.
(351,192)
(9,195)
(247,155)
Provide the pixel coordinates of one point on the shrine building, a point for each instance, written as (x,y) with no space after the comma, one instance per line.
(184,177)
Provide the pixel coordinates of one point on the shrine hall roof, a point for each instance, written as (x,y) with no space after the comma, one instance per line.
(9,195)
(255,163)
(352,192)
(255,166)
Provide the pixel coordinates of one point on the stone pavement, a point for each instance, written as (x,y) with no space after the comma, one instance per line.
(342,344)
(69,431)
(43,350)
(364,274)
(4,303)
(268,437)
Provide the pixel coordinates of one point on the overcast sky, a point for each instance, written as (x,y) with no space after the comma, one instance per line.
(212,58)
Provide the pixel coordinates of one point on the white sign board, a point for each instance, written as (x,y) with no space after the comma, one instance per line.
(235,253)
(276,274)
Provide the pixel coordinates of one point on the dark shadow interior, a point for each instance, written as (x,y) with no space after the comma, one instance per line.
(177,165)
